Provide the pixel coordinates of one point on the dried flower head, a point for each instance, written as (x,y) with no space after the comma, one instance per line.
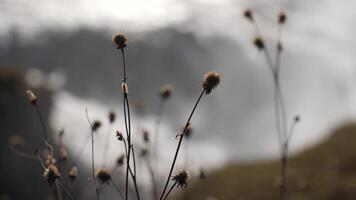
(119,135)
(124,88)
(120,39)
(16,141)
(31,97)
(188,131)
(166,91)
(146,135)
(210,81)
(49,160)
(112,116)
(144,152)
(282,18)
(63,154)
(297,118)
(73,173)
(258,42)
(51,174)
(96,125)
(248,15)
(181,179)
(120,160)
(103,175)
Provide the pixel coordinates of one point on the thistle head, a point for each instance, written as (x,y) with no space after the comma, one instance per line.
(166,91)
(146,135)
(96,125)
(119,135)
(103,175)
(297,118)
(16,141)
(210,81)
(188,131)
(181,179)
(31,97)
(120,160)
(51,174)
(258,42)
(112,116)
(120,40)
(73,173)
(248,15)
(282,18)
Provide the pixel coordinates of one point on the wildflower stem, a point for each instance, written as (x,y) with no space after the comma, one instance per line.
(116,186)
(65,189)
(22,154)
(180,143)
(92,155)
(58,190)
(44,130)
(169,191)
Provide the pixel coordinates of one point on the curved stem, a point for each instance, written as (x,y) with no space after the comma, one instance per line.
(169,191)
(180,143)
(117,188)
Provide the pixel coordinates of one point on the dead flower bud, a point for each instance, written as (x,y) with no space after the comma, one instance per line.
(63,154)
(120,160)
(210,81)
(51,174)
(120,39)
(124,88)
(297,118)
(112,116)
(103,175)
(73,173)
(248,15)
(188,131)
(166,91)
(282,18)
(181,179)
(16,141)
(146,135)
(258,42)
(96,125)
(31,97)
(119,135)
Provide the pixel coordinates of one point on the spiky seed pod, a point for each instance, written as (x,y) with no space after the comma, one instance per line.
(112,116)
(258,42)
(96,125)
(146,136)
(51,174)
(120,160)
(181,178)
(248,15)
(73,173)
(166,91)
(16,141)
(31,97)
(188,131)
(103,175)
(282,18)
(297,118)
(210,81)
(119,135)
(63,154)
(120,39)
(124,88)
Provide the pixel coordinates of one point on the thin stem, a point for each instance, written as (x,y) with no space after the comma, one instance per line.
(117,188)
(180,143)
(153,180)
(92,155)
(134,159)
(65,189)
(44,130)
(22,154)
(169,191)
(124,64)
(58,190)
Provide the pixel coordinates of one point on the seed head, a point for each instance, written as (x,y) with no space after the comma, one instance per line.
(63,154)
(282,18)
(146,135)
(103,175)
(166,91)
(181,178)
(188,131)
(124,88)
(297,118)
(112,116)
(16,141)
(119,135)
(258,42)
(31,97)
(51,174)
(120,160)
(73,173)
(96,125)
(210,81)
(248,15)
(120,40)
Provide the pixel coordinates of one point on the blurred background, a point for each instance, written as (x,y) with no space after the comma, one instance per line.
(62,50)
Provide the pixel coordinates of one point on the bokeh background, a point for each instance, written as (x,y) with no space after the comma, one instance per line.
(63,51)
